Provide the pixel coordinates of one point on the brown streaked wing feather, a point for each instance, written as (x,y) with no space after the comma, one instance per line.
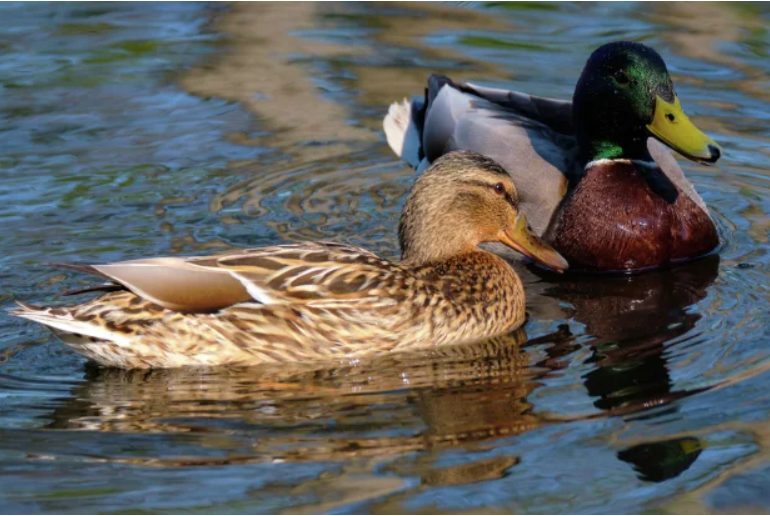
(314,272)
(320,273)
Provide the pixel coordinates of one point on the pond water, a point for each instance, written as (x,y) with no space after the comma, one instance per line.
(135,130)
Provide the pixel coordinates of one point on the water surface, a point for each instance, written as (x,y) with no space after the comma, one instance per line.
(134,130)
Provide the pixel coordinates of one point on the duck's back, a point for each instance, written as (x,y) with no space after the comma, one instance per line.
(537,156)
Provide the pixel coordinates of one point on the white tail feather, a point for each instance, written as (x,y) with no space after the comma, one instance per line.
(401,132)
(67,324)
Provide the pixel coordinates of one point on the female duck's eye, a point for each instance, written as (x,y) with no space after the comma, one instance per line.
(500,188)
(622,78)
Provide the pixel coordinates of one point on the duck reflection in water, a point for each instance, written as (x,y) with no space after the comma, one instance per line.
(404,407)
(630,319)
(662,460)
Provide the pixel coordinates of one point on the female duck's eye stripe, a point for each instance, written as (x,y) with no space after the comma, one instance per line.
(483,184)
(477,183)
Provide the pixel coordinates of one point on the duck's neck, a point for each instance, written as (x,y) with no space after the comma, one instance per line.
(472,254)
(605,149)
(469,297)
(472,268)
(419,252)
(481,284)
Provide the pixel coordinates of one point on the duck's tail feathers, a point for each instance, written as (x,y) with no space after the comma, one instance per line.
(26,307)
(61,320)
(41,314)
(402,132)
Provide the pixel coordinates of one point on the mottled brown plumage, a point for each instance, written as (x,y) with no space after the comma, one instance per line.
(321,301)
(624,216)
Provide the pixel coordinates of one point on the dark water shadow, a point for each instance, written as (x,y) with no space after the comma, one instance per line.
(630,320)
(662,460)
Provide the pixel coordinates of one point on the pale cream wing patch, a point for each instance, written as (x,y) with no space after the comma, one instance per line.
(177,283)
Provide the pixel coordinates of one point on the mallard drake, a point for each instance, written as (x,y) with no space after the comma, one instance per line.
(593,176)
(316,301)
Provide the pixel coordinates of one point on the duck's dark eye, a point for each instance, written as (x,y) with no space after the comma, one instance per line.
(622,78)
(500,188)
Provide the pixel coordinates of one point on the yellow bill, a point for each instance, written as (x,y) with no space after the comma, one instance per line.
(671,126)
(521,239)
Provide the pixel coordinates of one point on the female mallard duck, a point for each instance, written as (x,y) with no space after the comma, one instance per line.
(589,180)
(316,301)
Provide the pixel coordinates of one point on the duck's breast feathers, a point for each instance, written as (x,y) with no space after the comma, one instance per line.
(315,273)
(630,216)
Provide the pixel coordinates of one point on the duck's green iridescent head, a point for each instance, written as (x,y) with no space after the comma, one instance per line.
(623,97)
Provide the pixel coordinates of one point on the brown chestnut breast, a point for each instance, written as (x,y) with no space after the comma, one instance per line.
(627,216)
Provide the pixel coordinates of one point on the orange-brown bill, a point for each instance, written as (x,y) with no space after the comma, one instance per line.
(521,239)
